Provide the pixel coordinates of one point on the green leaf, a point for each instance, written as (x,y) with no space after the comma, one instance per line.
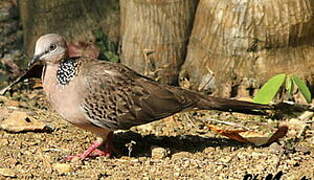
(269,89)
(303,88)
(289,85)
(111,56)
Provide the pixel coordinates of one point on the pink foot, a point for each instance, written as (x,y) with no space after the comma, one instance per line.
(96,149)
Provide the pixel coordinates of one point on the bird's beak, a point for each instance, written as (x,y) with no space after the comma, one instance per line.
(35,60)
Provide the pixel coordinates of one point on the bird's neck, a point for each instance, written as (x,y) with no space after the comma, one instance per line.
(66,71)
(60,74)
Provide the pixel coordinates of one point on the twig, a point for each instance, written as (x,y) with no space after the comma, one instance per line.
(228,123)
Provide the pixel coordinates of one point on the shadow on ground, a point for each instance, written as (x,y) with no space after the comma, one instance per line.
(186,143)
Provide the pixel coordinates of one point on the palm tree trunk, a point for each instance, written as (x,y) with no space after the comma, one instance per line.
(236,46)
(155,35)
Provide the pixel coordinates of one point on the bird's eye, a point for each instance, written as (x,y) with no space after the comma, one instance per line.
(52,47)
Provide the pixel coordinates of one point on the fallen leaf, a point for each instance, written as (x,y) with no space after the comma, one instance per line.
(8,102)
(280,133)
(6,172)
(255,137)
(246,136)
(19,121)
(232,134)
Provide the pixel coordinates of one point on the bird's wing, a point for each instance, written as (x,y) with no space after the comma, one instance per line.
(119,98)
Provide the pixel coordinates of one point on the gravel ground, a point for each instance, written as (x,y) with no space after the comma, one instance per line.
(180,147)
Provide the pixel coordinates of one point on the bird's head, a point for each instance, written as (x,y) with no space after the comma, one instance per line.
(49,49)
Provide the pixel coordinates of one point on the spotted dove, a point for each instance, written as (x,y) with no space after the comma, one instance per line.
(101,96)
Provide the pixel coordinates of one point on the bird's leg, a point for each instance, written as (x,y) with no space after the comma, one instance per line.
(106,148)
(100,147)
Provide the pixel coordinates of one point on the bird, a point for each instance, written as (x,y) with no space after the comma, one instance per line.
(101,96)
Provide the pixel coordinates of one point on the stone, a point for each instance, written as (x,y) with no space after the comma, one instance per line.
(62,168)
(276,148)
(160,152)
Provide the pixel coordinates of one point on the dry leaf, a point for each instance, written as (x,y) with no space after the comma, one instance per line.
(280,133)
(256,138)
(19,121)
(232,134)
(6,172)
(9,102)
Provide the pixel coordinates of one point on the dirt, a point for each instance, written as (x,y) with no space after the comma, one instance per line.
(179,147)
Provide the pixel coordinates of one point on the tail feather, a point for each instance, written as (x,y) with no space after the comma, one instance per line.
(222,104)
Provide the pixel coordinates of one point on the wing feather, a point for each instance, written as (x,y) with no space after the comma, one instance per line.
(119,98)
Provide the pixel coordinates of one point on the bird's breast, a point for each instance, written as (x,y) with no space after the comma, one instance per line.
(65,99)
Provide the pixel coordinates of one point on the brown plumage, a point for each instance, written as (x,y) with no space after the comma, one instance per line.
(101,97)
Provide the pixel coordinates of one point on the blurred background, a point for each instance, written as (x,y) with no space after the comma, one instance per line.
(225,48)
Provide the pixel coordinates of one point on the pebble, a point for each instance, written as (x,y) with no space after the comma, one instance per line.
(62,168)
(145,127)
(226,159)
(303,149)
(6,172)
(4,142)
(276,148)
(176,174)
(159,152)
(209,150)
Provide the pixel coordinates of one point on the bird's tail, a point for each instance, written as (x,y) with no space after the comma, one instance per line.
(222,104)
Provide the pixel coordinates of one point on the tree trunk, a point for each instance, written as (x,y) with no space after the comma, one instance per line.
(9,27)
(236,46)
(75,19)
(154,36)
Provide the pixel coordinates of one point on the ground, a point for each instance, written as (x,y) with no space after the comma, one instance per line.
(180,147)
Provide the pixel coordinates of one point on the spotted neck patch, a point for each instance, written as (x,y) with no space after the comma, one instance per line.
(67,71)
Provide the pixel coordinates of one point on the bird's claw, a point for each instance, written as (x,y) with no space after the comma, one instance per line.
(83,156)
